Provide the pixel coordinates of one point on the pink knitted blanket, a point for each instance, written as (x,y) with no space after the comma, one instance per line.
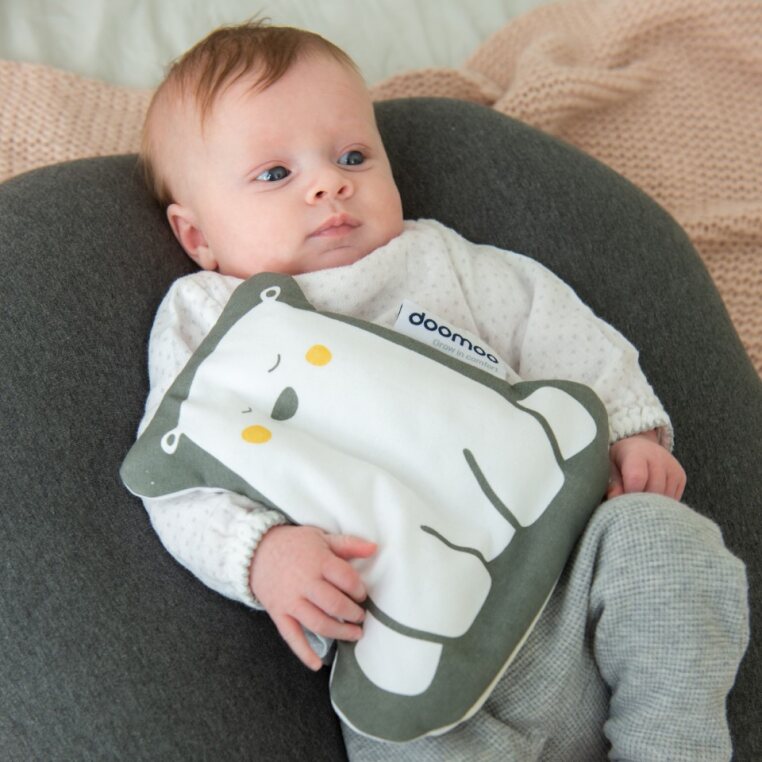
(667,92)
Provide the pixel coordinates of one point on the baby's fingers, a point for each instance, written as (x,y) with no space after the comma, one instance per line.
(335,603)
(657,481)
(615,486)
(348,546)
(343,577)
(339,572)
(676,481)
(316,620)
(635,476)
(291,631)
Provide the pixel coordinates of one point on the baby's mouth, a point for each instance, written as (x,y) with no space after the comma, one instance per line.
(335,226)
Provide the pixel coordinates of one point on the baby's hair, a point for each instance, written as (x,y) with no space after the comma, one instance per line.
(205,71)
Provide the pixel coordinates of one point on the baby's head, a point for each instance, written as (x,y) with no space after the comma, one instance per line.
(263,147)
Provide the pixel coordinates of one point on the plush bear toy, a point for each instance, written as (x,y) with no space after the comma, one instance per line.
(474,489)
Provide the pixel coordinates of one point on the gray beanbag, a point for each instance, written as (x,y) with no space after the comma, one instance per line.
(108,648)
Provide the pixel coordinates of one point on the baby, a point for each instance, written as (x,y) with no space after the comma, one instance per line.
(262,145)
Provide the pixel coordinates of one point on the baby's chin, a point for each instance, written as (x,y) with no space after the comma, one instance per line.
(381,239)
(345,255)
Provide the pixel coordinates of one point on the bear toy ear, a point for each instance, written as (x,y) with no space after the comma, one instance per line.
(270,294)
(572,425)
(170,441)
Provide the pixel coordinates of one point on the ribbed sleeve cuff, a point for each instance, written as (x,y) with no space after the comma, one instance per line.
(248,538)
(633,421)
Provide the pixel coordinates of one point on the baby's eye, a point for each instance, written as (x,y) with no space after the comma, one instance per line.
(352,158)
(273,174)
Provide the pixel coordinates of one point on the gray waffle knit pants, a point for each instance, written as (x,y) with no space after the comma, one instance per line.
(632,658)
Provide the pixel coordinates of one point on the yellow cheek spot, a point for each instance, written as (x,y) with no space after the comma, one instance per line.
(319,355)
(256,434)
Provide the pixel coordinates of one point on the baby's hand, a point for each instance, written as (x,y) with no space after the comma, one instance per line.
(301,575)
(640,464)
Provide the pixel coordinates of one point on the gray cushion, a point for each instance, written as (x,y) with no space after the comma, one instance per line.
(108,649)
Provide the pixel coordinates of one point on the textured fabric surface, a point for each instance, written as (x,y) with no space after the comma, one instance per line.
(107,648)
(48,116)
(649,594)
(664,91)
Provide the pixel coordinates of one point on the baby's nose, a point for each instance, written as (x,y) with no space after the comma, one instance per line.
(330,183)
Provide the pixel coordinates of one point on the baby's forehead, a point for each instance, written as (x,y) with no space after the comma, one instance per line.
(189,125)
(172,133)
(346,99)
(175,119)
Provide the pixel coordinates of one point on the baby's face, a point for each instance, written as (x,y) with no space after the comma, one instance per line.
(290,179)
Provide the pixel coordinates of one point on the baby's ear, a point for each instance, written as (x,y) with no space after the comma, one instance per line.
(191,237)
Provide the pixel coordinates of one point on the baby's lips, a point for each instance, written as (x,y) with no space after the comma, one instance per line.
(336,221)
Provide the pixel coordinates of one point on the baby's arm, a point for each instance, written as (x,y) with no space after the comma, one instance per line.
(303,578)
(232,544)
(641,464)
(554,335)
(539,325)
(213,534)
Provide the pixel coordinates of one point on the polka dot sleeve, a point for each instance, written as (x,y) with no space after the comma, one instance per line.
(554,335)
(212,534)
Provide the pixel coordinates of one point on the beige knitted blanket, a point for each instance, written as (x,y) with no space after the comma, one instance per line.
(667,92)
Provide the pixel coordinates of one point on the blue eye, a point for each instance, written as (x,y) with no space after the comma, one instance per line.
(352,158)
(274,174)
